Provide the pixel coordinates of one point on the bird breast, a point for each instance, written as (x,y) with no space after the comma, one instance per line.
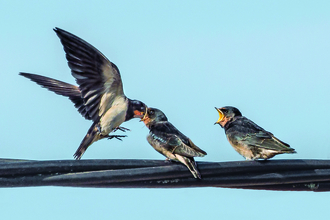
(115,115)
(160,145)
(242,149)
(156,138)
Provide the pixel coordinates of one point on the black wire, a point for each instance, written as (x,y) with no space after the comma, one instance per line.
(284,175)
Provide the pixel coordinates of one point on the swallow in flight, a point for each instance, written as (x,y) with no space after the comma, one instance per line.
(99,95)
(247,138)
(169,141)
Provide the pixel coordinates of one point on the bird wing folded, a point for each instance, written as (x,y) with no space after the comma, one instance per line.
(258,137)
(177,142)
(184,150)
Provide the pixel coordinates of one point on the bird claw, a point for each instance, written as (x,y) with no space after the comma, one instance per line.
(120,129)
(118,137)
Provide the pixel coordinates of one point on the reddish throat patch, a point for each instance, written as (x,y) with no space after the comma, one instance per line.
(136,112)
(146,120)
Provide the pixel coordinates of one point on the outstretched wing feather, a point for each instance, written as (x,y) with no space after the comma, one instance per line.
(94,73)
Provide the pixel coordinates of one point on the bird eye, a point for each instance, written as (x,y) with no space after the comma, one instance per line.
(151,112)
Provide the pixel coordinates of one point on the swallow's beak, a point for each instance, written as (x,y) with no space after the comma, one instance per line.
(145,115)
(138,114)
(221,115)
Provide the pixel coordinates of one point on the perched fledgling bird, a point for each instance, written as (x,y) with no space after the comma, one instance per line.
(99,95)
(170,142)
(247,138)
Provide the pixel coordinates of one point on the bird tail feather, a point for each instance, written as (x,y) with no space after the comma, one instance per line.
(285,148)
(190,164)
(91,136)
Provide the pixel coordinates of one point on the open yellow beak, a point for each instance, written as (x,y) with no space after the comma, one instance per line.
(221,116)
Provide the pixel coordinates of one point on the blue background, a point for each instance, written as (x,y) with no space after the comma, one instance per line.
(270,59)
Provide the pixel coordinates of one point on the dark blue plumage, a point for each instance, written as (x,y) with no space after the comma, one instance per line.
(249,139)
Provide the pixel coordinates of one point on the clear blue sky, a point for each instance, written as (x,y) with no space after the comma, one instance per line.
(270,59)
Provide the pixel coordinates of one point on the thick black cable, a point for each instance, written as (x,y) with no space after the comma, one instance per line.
(284,175)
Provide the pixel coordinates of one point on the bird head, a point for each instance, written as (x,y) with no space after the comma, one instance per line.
(153,115)
(226,114)
(139,108)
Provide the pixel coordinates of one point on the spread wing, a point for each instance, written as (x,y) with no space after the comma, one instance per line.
(253,135)
(98,79)
(61,88)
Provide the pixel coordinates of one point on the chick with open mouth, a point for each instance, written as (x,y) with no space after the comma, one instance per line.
(247,138)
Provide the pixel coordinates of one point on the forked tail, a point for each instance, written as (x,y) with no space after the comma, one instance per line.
(191,164)
(91,136)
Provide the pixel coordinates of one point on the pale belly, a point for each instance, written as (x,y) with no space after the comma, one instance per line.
(243,150)
(114,117)
(246,151)
(158,145)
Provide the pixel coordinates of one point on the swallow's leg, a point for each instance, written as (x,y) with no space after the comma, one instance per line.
(115,136)
(120,129)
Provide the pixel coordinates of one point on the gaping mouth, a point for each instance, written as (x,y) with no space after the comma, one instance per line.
(221,116)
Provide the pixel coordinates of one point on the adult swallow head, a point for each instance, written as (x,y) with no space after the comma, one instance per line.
(99,95)
(247,138)
(137,108)
(170,142)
